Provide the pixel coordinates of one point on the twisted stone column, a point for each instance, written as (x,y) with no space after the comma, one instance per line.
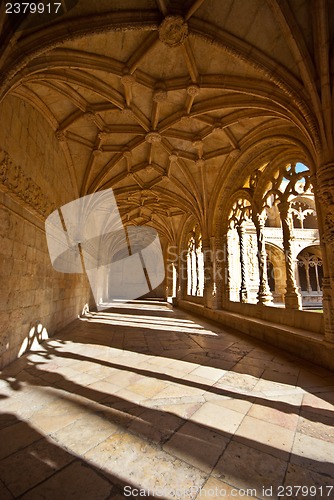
(292,296)
(181,273)
(242,245)
(218,276)
(226,277)
(264,295)
(197,250)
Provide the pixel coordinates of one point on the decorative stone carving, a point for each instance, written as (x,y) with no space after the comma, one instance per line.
(328,235)
(160,95)
(97,151)
(90,116)
(200,162)
(254,179)
(128,79)
(60,135)
(186,119)
(14,181)
(193,90)
(127,111)
(235,153)
(127,153)
(325,183)
(152,137)
(198,144)
(103,135)
(242,242)
(173,157)
(173,31)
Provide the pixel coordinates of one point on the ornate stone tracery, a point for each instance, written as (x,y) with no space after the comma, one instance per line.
(271,206)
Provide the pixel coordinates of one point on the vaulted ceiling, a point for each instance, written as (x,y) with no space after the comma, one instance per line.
(169,102)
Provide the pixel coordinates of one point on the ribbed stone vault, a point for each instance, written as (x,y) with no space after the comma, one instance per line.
(163,100)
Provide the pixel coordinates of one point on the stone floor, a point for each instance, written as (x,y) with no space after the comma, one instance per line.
(143,397)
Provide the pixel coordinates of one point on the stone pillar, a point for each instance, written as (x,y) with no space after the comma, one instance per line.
(226,272)
(324,189)
(292,296)
(264,295)
(242,244)
(208,273)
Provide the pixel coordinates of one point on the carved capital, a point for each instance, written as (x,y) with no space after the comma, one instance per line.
(173,31)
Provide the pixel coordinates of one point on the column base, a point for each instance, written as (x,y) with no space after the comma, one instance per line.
(265,299)
(292,301)
(243,296)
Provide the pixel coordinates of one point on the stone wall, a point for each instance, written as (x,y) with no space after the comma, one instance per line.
(35,300)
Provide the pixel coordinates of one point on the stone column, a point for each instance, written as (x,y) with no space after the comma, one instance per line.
(324,189)
(242,245)
(292,296)
(264,295)
(181,276)
(218,273)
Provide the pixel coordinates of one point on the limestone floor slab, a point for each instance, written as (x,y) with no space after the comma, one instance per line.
(271,438)
(245,467)
(218,418)
(75,481)
(148,467)
(32,465)
(197,445)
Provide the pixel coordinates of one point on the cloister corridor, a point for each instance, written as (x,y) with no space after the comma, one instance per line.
(146,396)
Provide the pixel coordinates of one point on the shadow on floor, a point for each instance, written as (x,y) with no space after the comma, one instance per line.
(109,436)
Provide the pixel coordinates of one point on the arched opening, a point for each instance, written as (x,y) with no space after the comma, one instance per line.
(310,271)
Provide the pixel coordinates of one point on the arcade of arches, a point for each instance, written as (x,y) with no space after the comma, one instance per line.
(212,127)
